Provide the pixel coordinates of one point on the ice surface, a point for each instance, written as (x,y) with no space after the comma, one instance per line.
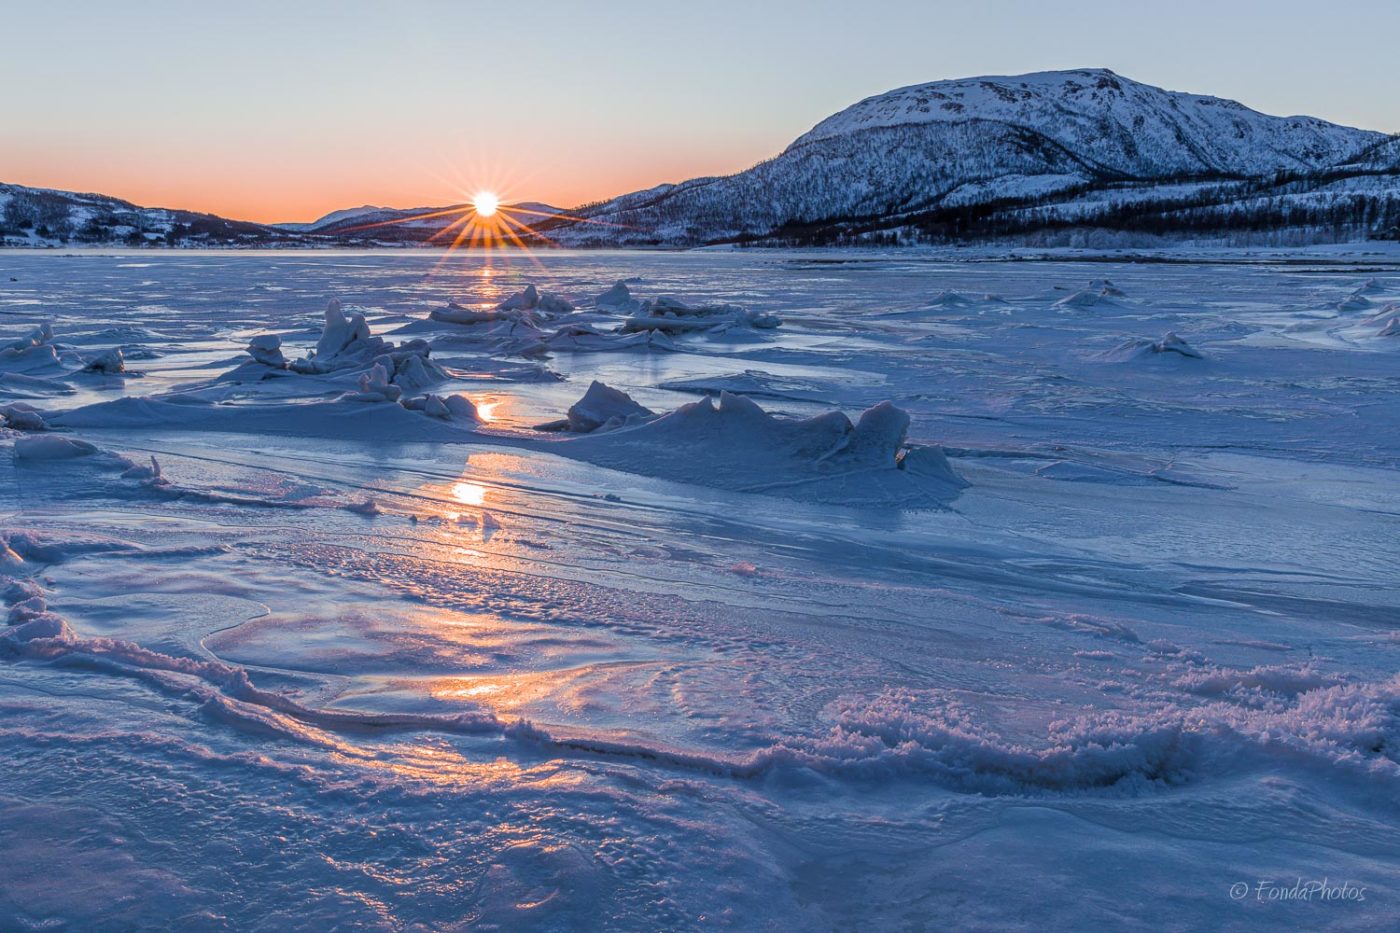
(307,626)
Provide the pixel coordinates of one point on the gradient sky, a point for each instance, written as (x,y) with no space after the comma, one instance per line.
(286,110)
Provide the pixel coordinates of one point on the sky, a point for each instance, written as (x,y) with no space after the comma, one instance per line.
(284,111)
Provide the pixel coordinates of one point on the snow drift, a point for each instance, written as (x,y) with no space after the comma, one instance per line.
(1170,346)
(737,445)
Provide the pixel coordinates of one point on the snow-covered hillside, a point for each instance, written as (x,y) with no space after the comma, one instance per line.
(404,223)
(982,143)
(46,217)
(1114,123)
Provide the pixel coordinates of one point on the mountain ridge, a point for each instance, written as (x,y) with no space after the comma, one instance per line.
(1035,156)
(975,141)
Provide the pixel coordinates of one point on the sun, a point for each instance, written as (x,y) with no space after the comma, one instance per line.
(485,203)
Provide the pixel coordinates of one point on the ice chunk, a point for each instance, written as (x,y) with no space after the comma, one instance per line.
(583,338)
(267,349)
(461,408)
(1087,298)
(601,408)
(522,307)
(456,314)
(18,385)
(148,475)
(412,372)
(52,447)
(735,444)
(42,334)
(1106,288)
(33,351)
(879,434)
(554,305)
(525,300)
(952,299)
(376,387)
(673,316)
(617,299)
(448,408)
(21,417)
(1140,348)
(340,333)
(111,361)
(1171,343)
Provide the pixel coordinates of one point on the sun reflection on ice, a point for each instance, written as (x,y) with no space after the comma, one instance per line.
(469,493)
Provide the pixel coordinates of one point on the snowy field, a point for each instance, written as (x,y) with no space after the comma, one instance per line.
(1096,624)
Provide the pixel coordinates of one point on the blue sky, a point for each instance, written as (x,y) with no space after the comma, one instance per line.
(282,111)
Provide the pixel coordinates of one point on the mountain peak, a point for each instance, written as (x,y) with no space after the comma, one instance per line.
(1025,99)
(989,139)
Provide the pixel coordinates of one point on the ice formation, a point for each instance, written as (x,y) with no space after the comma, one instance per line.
(735,444)
(267,349)
(33,351)
(586,338)
(346,345)
(674,316)
(528,306)
(21,417)
(375,386)
(110,361)
(1140,348)
(52,447)
(1090,297)
(952,299)
(602,408)
(618,300)
(447,408)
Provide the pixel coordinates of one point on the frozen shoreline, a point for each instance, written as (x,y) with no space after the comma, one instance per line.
(458,667)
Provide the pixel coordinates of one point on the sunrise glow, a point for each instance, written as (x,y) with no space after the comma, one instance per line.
(485,203)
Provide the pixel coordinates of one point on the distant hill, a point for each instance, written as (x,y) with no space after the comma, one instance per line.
(411,224)
(44,217)
(41,217)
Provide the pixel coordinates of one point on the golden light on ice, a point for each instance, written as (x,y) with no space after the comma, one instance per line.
(469,493)
(485,203)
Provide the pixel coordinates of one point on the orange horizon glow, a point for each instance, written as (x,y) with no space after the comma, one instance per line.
(272,191)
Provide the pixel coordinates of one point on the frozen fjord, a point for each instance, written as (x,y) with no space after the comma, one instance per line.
(343,654)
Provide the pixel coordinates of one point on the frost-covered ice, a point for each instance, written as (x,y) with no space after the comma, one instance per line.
(1030,595)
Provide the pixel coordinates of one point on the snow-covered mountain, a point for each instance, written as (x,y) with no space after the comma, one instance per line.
(47,217)
(39,217)
(347,215)
(1111,123)
(398,223)
(972,143)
